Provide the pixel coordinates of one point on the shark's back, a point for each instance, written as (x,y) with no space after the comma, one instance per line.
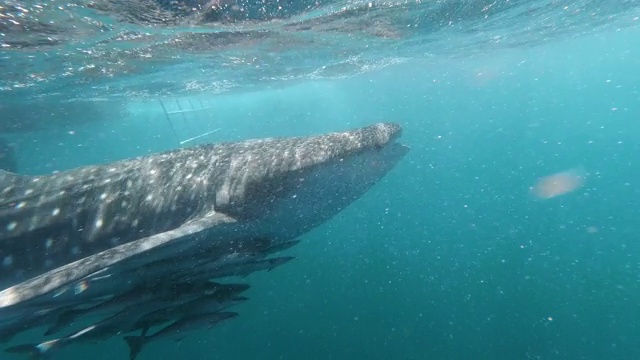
(50,221)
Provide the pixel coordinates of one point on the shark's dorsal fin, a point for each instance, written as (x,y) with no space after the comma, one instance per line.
(3,172)
(9,177)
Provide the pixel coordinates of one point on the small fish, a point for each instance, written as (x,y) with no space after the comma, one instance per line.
(207,304)
(177,330)
(121,322)
(244,269)
(137,295)
(236,264)
(27,322)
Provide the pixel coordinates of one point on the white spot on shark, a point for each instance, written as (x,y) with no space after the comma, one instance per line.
(55,211)
(75,250)
(12,226)
(21,204)
(28,192)
(103,196)
(48,243)
(99,223)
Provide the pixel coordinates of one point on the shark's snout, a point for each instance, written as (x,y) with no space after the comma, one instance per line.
(383,134)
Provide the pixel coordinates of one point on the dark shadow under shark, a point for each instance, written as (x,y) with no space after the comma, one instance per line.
(179,209)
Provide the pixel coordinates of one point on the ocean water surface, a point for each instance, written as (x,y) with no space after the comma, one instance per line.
(469,249)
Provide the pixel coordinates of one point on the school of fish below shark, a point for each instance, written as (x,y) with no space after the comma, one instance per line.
(147,248)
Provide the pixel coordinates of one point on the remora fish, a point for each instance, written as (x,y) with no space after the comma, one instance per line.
(177,330)
(143,294)
(59,229)
(208,261)
(244,268)
(7,332)
(205,304)
(121,322)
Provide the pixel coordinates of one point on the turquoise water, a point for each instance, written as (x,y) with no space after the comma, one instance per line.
(450,257)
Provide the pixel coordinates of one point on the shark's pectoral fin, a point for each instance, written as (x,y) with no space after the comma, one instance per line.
(119,258)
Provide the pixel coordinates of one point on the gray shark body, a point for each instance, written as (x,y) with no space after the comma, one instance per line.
(65,238)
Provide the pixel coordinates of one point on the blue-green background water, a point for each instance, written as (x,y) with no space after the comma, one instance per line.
(449,257)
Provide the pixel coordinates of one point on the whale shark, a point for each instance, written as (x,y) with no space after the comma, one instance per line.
(68,237)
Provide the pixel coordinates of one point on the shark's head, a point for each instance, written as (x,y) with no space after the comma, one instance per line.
(288,186)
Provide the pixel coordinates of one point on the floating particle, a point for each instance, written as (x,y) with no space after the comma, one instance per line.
(558,184)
